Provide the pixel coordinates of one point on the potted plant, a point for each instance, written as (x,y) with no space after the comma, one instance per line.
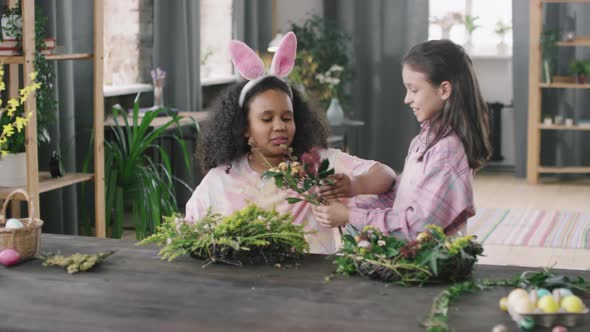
(133,176)
(447,22)
(470,27)
(13,167)
(549,52)
(501,29)
(321,44)
(580,69)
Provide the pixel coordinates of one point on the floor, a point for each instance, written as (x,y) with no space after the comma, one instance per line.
(496,190)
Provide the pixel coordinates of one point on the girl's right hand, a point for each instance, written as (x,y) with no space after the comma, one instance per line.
(340,188)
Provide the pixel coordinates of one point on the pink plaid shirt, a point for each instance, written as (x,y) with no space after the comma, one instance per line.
(436,190)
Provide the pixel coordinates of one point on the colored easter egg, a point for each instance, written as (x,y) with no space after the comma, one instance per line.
(526,324)
(504,304)
(548,304)
(572,303)
(542,292)
(500,328)
(522,305)
(13,224)
(9,257)
(515,294)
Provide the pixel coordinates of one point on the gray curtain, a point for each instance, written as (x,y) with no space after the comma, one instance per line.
(253,22)
(560,148)
(382,32)
(71,23)
(177,51)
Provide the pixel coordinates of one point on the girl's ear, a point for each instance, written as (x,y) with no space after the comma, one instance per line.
(445,90)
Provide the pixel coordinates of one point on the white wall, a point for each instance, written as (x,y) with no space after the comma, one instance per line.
(297,11)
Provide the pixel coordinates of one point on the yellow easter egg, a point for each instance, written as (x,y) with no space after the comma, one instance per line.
(504,304)
(572,303)
(548,304)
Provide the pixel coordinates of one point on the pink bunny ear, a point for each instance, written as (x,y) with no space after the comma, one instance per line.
(284,59)
(246,60)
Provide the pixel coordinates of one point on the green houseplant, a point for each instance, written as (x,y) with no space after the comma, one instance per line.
(580,69)
(321,44)
(133,178)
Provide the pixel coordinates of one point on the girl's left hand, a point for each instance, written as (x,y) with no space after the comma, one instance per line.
(340,188)
(333,215)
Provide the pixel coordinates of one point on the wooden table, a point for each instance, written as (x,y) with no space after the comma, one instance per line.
(136,291)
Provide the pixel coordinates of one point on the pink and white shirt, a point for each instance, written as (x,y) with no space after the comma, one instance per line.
(435,190)
(226,193)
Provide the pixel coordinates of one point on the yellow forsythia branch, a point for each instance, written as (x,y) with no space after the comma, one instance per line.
(17,122)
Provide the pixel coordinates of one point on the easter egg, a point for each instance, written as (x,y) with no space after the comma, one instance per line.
(548,304)
(9,257)
(500,328)
(542,292)
(559,329)
(13,224)
(526,324)
(572,303)
(515,294)
(504,304)
(522,305)
(564,292)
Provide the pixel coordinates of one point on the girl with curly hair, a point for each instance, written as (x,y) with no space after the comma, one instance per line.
(268,115)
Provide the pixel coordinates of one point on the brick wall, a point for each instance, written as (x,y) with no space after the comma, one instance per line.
(128,41)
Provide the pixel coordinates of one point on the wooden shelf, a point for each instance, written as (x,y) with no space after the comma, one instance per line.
(71,56)
(578,41)
(564,170)
(564,127)
(47,183)
(565,1)
(565,85)
(19,59)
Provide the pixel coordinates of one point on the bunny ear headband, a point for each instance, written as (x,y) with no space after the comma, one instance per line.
(251,67)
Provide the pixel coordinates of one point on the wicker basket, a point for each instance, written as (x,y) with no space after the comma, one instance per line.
(25,240)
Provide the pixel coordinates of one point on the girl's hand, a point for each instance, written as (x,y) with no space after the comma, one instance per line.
(333,215)
(340,188)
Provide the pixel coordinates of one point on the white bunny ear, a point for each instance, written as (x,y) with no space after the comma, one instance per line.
(246,60)
(284,59)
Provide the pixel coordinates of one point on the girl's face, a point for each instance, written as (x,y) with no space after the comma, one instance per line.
(271,122)
(424,98)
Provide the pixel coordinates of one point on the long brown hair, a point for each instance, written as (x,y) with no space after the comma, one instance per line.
(465,112)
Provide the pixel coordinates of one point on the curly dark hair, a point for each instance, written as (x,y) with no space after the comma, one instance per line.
(222,141)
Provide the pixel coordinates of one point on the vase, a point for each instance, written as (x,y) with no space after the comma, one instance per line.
(13,170)
(14,21)
(158,96)
(334,114)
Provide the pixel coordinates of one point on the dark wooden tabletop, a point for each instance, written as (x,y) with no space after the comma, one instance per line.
(134,290)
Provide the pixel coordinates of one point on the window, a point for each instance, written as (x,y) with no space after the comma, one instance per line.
(216,32)
(489,13)
(128,42)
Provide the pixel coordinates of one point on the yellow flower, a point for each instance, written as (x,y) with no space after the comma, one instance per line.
(13,103)
(4,153)
(7,130)
(19,123)
(33,76)
(3,140)
(2,86)
(423,236)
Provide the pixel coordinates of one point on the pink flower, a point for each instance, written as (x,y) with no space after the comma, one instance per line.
(311,160)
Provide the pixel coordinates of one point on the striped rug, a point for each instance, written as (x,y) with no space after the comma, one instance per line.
(529,227)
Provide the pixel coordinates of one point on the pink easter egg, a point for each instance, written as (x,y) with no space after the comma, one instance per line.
(559,329)
(9,257)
